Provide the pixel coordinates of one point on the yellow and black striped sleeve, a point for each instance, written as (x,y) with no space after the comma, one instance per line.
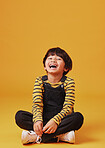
(37,100)
(68,105)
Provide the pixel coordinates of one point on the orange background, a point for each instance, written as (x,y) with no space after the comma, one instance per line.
(27,30)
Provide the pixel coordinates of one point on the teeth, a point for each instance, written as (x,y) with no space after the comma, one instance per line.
(52,66)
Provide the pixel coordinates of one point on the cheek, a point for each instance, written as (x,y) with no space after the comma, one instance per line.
(46,65)
(62,64)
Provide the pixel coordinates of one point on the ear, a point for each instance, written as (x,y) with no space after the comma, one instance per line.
(45,68)
(65,69)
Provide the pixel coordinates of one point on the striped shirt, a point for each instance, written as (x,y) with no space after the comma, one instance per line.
(68,105)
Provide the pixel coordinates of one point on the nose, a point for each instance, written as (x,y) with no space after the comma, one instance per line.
(53,60)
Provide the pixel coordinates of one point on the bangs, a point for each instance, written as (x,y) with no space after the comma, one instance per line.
(52,53)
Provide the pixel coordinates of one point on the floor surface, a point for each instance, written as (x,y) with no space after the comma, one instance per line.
(91,135)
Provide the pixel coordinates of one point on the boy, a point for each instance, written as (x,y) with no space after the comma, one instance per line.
(53,117)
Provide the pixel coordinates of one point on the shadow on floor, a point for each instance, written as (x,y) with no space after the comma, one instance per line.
(87,132)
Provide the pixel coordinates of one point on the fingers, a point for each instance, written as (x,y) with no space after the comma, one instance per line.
(38,131)
(50,127)
(38,128)
(45,127)
(49,131)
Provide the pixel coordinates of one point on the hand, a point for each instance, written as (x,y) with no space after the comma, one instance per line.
(50,127)
(38,126)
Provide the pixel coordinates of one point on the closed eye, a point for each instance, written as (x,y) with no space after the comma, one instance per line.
(50,58)
(58,58)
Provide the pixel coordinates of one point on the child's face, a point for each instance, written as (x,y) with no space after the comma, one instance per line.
(55,64)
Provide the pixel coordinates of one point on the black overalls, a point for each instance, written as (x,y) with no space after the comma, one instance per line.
(53,99)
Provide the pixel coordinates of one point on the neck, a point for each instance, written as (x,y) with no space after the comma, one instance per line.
(54,78)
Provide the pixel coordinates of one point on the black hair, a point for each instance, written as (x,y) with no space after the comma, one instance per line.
(61,53)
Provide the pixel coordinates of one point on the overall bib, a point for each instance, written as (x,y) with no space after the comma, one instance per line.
(53,99)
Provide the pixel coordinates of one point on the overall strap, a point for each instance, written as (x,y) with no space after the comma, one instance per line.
(44,78)
(63,79)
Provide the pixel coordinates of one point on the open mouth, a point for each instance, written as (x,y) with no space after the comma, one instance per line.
(53,66)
